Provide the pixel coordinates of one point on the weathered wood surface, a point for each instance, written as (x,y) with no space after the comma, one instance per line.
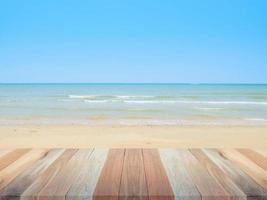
(133,180)
(157,180)
(9,173)
(219,175)
(61,183)
(46,177)
(181,182)
(9,157)
(248,166)
(134,174)
(84,185)
(108,185)
(239,177)
(208,187)
(16,188)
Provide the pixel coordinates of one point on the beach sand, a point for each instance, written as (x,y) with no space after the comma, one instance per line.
(78,136)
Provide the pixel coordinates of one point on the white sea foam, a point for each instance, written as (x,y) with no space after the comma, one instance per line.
(203,108)
(133,97)
(81,96)
(143,99)
(198,102)
(229,102)
(257,119)
(96,101)
(149,102)
(110,96)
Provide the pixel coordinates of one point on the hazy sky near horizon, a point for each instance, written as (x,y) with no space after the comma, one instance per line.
(133,41)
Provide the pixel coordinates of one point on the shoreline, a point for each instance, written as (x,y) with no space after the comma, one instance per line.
(118,136)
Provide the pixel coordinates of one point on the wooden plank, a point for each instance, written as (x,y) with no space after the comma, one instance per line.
(206,184)
(134,174)
(11,157)
(255,157)
(4,152)
(158,185)
(26,178)
(85,183)
(253,170)
(219,175)
(33,190)
(9,173)
(133,181)
(182,184)
(263,152)
(241,179)
(108,184)
(61,183)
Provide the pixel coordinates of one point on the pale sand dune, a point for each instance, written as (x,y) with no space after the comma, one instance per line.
(131,136)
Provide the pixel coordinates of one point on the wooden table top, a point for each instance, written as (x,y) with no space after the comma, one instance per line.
(147,174)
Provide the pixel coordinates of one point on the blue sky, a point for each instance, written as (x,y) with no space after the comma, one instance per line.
(222,41)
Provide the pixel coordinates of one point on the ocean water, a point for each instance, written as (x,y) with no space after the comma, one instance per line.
(133,104)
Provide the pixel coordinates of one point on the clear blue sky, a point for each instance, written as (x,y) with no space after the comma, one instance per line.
(133,41)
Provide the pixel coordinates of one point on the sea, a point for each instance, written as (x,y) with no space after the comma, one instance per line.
(133,104)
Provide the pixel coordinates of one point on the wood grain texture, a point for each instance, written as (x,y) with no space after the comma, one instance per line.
(85,183)
(205,183)
(262,152)
(257,158)
(158,185)
(241,179)
(257,173)
(9,157)
(4,152)
(22,181)
(61,183)
(219,175)
(108,184)
(133,181)
(9,173)
(141,174)
(181,182)
(45,178)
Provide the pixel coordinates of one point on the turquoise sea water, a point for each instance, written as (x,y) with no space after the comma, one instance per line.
(133,104)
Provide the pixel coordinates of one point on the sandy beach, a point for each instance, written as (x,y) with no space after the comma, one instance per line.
(79,136)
